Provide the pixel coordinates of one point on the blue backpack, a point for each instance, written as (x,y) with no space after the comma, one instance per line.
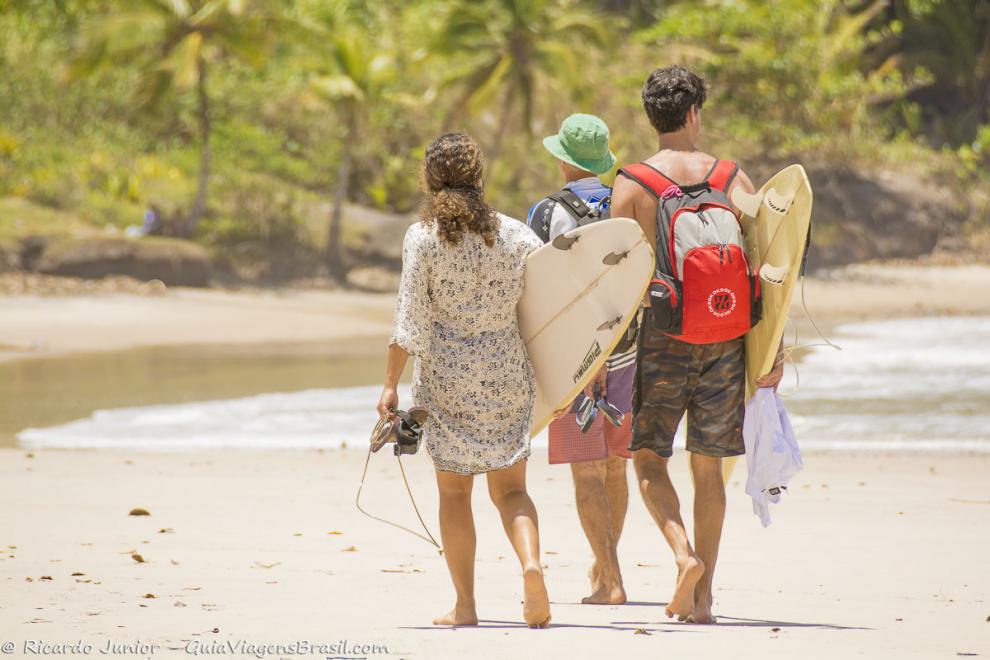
(583,210)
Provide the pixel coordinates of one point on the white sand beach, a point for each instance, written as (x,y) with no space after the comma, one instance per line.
(869,556)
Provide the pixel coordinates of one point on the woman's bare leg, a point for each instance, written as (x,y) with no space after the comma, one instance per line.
(459,542)
(508,491)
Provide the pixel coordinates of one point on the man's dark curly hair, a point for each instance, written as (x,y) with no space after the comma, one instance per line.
(669,93)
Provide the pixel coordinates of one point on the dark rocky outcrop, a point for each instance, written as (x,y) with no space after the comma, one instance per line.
(884,216)
(174,262)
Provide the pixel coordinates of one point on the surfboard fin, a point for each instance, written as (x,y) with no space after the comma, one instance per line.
(564,242)
(750,204)
(608,325)
(773,274)
(746,202)
(777,202)
(613,258)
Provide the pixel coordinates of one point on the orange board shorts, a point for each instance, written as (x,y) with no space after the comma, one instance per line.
(569,445)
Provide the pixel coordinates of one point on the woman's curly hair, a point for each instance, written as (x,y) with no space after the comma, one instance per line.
(455,198)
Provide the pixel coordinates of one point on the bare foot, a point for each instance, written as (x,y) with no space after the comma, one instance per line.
(682,602)
(702,613)
(459,616)
(536,604)
(595,576)
(606,595)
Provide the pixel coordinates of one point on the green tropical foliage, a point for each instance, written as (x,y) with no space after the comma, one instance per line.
(507,52)
(172,45)
(258,126)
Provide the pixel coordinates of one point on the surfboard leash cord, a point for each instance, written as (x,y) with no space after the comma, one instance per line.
(788,352)
(357,502)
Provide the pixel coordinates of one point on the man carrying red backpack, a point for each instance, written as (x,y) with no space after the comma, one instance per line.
(703,298)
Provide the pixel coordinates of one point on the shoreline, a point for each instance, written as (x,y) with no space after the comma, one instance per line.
(40,326)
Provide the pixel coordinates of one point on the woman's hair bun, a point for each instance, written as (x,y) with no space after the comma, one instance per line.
(452,174)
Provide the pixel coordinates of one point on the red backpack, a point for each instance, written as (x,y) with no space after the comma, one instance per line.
(704,290)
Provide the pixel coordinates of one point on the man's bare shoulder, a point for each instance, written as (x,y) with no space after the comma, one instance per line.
(625,189)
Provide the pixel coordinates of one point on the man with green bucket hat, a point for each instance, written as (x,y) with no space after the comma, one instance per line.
(595,445)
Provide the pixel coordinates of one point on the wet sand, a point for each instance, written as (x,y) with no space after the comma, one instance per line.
(35,326)
(869,556)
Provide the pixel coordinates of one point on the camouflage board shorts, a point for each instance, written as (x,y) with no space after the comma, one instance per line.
(706,380)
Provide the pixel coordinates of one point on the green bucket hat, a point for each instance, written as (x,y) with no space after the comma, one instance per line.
(582,142)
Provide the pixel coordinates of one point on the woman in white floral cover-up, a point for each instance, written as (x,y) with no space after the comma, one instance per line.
(462,270)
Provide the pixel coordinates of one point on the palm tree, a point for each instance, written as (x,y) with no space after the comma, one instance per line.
(511,49)
(349,74)
(951,38)
(173,45)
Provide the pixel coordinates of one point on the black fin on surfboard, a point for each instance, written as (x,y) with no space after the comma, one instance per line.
(564,242)
(608,325)
(613,258)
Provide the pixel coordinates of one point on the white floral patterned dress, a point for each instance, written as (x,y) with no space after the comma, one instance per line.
(456,313)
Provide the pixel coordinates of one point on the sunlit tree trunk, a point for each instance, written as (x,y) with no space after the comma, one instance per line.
(203,110)
(503,124)
(334,253)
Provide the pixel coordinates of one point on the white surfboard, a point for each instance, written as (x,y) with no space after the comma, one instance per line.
(580,293)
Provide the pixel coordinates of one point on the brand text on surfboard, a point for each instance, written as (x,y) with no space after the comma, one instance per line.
(588,360)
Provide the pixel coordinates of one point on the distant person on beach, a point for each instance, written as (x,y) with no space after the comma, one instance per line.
(674,376)
(462,275)
(598,454)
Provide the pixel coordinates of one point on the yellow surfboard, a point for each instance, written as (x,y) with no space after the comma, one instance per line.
(776,222)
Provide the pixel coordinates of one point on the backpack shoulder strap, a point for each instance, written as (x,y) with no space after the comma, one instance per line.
(722,175)
(539,218)
(573,204)
(648,177)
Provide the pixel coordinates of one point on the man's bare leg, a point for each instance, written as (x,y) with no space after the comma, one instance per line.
(661,500)
(459,543)
(594,511)
(709,514)
(617,487)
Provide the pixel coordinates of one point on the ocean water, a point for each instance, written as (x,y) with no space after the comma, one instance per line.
(920,384)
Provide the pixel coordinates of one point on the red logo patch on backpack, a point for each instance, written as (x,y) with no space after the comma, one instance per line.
(704,290)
